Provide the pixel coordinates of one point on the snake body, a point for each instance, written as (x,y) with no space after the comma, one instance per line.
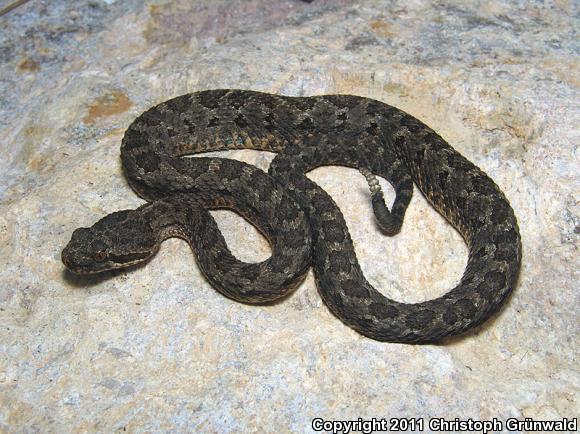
(301,221)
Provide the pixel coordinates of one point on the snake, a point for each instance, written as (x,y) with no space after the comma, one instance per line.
(300,220)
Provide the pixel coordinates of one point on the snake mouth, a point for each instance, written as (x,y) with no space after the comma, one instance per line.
(78,269)
(114,262)
(83,271)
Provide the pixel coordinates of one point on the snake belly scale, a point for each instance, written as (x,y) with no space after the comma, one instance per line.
(300,220)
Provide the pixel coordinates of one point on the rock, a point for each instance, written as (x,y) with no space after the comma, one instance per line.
(157,349)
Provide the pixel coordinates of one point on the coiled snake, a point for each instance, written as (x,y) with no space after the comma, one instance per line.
(301,221)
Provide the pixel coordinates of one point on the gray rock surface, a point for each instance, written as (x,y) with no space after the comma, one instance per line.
(157,349)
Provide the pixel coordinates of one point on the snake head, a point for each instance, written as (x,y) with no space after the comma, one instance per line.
(118,240)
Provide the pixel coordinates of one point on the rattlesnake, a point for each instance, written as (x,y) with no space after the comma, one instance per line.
(301,221)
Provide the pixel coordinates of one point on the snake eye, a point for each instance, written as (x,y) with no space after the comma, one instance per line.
(100,256)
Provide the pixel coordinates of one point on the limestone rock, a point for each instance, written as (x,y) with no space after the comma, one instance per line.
(157,349)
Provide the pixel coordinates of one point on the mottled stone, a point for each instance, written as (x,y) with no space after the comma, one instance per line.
(156,348)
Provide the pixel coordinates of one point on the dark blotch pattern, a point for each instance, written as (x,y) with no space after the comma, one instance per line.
(149,162)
